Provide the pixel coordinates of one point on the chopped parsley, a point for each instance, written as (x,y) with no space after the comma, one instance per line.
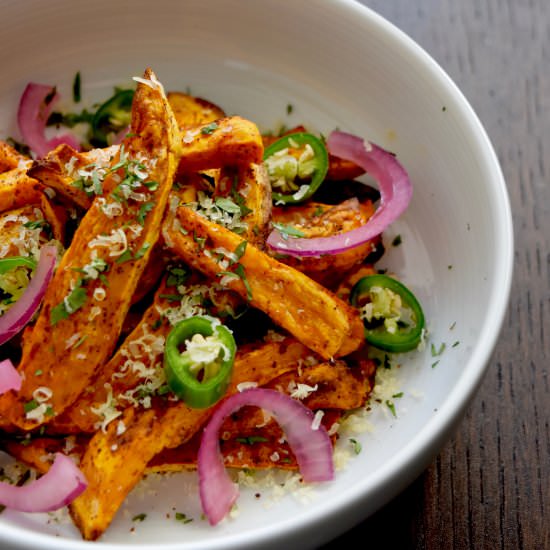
(356,445)
(139,517)
(251,439)
(73,302)
(180,516)
(240,250)
(390,404)
(436,352)
(30,405)
(240,271)
(239,199)
(176,276)
(209,128)
(288,230)
(143,209)
(319,210)
(128,256)
(77,88)
(227,205)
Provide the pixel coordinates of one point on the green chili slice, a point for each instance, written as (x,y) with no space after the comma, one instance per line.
(198,360)
(112,117)
(393,317)
(7,264)
(297,165)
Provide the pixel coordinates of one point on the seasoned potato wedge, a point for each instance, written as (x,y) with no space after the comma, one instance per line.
(17,189)
(69,172)
(82,313)
(311,313)
(114,462)
(193,111)
(320,220)
(10,158)
(231,141)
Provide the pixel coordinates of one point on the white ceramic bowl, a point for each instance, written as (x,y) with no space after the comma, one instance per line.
(339,65)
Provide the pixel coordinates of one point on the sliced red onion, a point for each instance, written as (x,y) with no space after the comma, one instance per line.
(59,486)
(35,106)
(310,444)
(395,195)
(10,379)
(22,311)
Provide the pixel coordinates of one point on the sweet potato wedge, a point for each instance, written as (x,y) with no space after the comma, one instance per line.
(321,220)
(75,334)
(312,314)
(114,462)
(63,168)
(17,189)
(24,230)
(193,111)
(230,141)
(10,158)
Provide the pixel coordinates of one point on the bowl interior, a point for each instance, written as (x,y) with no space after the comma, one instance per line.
(339,65)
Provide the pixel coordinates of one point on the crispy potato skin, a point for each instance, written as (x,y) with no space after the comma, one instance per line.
(47,359)
(311,313)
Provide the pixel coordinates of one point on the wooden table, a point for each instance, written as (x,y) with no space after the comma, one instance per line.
(489,488)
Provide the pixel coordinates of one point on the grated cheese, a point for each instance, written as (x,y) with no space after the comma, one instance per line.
(116,242)
(316,422)
(300,391)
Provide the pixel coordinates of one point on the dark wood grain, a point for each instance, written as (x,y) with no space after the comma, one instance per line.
(489,488)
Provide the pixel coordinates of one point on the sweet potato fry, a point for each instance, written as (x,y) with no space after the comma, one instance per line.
(114,462)
(249,189)
(259,448)
(192,111)
(82,313)
(230,141)
(321,220)
(24,230)
(64,169)
(17,189)
(10,158)
(312,314)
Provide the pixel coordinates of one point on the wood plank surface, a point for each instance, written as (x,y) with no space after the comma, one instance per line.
(489,488)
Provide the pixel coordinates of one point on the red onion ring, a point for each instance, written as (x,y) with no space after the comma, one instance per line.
(59,486)
(32,115)
(312,447)
(395,195)
(10,379)
(22,311)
